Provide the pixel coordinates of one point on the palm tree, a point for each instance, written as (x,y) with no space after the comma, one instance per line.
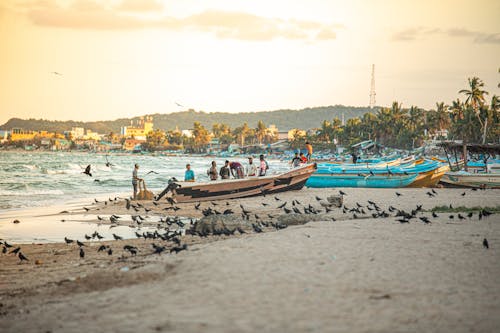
(260,131)
(475,96)
(242,133)
(442,117)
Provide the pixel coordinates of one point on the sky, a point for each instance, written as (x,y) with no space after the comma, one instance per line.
(108,59)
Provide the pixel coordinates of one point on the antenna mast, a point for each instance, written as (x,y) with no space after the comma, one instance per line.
(372,88)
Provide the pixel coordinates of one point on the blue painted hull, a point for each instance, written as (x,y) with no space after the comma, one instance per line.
(354,180)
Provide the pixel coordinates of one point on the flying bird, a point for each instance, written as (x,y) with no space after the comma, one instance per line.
(56,73)
(87,171)
(179,105)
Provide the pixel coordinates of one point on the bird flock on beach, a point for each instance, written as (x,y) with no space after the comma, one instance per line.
(170,230)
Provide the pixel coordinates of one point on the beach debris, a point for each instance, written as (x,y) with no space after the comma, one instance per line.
(124,269)
(380,297)
(336,200)
(38,262)
(16,221)
(485,244)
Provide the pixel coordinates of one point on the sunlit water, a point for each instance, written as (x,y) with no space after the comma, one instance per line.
(35,186)
(30,179)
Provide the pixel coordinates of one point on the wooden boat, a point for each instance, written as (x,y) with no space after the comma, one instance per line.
(429,173)
(476,180)
(294,179)
(360,180)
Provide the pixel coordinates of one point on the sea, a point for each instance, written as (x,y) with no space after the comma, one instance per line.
(36,186)
(39,179)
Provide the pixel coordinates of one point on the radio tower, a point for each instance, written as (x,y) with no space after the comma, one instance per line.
(372,88)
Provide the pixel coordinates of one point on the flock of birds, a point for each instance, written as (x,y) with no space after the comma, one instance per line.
(172,237)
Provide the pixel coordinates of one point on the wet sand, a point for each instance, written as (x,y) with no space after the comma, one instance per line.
(349,275)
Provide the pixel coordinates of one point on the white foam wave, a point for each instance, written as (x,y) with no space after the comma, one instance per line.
(30,166)
(30,192)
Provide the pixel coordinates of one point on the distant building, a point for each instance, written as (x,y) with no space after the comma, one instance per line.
(77,132)
(61,144)
(4,135)
(90,135)
(187,133)
(140,130)
(19,134)
(283,135)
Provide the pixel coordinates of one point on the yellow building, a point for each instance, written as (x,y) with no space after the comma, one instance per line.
(19,134)
(143,127)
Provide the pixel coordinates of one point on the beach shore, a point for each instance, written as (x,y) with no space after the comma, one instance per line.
(354,274)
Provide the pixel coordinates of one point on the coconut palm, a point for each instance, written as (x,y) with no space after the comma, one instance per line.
(475,96)
(260,131)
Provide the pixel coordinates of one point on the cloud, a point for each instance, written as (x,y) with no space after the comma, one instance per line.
(88,14)
(140,6)
(420,33)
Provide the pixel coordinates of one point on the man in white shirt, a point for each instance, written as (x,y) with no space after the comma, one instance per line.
(251,168)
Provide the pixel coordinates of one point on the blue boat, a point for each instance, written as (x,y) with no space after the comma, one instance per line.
(357,179)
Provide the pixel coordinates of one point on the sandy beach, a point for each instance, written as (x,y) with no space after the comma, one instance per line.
(354,274)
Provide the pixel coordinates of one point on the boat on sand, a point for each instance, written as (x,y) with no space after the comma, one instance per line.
(294,179)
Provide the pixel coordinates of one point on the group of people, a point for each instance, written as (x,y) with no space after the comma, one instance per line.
(236,169)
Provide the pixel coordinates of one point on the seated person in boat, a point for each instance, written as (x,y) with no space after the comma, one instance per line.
(303,159)
(296,160)
(236,170)
(263,166)
(251,168)
(189,174)
(212,172)
(224,172)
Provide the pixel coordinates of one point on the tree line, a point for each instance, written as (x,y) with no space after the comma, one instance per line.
(474,119)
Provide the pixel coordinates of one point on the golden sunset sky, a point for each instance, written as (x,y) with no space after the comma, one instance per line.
(122,58)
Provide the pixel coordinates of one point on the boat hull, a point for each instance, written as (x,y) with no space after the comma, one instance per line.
(352,180)
(247,187)
(430,178)
(487,180)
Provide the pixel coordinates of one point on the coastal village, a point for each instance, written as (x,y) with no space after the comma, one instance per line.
(138,137)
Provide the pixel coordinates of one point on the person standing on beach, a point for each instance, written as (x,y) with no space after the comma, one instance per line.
(251,168)
(263,166)
(309,148)
(212,172)
(189,174)
(135,179)
(236,170)
(224,172)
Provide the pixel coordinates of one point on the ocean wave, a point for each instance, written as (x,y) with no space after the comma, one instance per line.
(30,192)
(30,166)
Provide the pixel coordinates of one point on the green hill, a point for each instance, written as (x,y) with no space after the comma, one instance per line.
(283,119)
